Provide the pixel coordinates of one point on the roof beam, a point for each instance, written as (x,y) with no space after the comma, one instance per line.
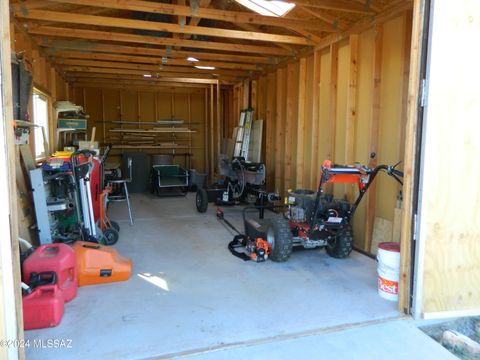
(369,4)
(199,12)
(184,80)
(145,88)
(122,23)
(147,67)
(89,46)
(60,57)
(135,82)
(330,19)
(81,79)
(194,20)
(152,40)
(33,4)
(70,70)
(337,5)
(249,27)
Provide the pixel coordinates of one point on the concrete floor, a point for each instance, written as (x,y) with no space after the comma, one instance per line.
(187,292)
(392,340)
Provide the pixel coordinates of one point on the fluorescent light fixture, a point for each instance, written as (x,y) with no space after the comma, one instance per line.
(191,58)
(205,67)
(267,7)
(147,75)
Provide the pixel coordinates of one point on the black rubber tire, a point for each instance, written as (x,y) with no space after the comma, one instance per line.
(282,242)
(110,236)
(342,245)
(201,200)
(115,225)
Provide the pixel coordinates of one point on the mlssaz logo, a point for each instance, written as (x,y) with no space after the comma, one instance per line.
(52,343)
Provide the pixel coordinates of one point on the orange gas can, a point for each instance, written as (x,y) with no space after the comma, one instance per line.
(98,264)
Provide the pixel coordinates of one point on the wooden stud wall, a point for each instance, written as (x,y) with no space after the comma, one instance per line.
(11,318)
(105,105)
(339,103)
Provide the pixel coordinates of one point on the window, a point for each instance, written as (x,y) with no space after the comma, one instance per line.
(40,118)
(267,7)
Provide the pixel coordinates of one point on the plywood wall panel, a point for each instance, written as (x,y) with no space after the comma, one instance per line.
(291,126)
(60,87)
(78,98)
(364,107)
(280,128)
(261,98)
(334,67)
(146,106)
(390,114)
(129,104)
(180,111)
(341,112)
(308,113)
(270,130)
(164,106)
(197,104)
(111,110)
(449,238)
(300,126)
(324,140)
(141,107)
(93,106)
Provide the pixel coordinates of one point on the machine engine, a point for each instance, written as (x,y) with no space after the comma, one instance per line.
(301,206)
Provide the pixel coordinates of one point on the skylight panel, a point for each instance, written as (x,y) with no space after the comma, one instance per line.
(267,7)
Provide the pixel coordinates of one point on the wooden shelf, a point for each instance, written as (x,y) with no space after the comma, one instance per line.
(159,146)
(153,131)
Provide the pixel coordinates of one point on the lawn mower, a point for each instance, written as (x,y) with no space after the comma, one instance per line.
(311,219)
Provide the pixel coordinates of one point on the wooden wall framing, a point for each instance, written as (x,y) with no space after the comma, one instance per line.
(11,318)
(340,103)
(202,107)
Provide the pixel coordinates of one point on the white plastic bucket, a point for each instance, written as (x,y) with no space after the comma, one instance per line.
(388,270)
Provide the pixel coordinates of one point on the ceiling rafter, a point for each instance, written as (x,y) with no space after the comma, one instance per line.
(194,20)
(88,46)
(143,39)
(249,27)
(337,5)
(159,73)
(148,67)
(150,87)
(33,4)
(103,78)
(369,4)
(332,20)
(60,57)
(106,21)
(137,81)
(199,13)
(93,76)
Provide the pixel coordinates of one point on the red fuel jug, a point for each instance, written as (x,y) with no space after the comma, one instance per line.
(44,306)
(59,258)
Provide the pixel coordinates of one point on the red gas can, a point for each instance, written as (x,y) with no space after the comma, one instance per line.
(43,307)
(59,258)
